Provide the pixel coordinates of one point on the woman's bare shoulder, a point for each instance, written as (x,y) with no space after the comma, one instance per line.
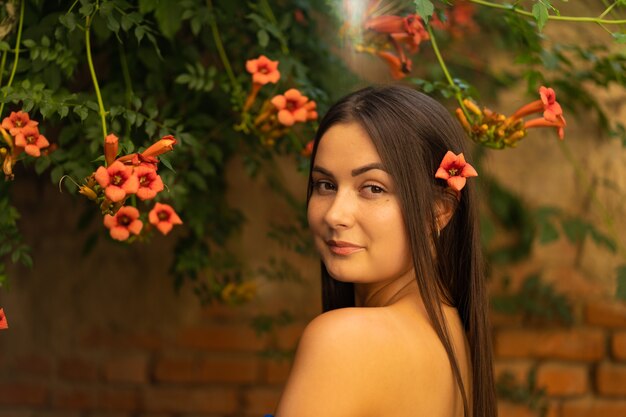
(343,358)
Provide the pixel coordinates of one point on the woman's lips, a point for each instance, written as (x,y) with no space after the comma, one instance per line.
(342,248)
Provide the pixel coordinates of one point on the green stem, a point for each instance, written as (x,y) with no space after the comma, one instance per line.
(2,64)
(579,171)
(270,14)
(550,17)
(607,11)
(94,78)
(220,47)
(444,68)
(128,86)
(16,52)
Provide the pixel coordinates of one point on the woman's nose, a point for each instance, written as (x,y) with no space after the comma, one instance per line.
(341,212)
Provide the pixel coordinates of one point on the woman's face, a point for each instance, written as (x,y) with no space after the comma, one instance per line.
(354,213)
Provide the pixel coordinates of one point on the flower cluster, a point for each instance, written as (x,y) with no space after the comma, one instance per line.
(20,135)
(128,176)
(458,20)
(498,131)
(278,114)
(393,37)
(237,293)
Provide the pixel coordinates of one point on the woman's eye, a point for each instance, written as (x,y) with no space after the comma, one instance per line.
(374,189)
(323,186)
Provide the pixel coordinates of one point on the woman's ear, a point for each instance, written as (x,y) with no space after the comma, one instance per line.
(444,209)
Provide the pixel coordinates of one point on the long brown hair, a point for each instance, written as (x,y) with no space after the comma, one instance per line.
(412,132)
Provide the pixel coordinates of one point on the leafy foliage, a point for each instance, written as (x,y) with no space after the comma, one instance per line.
(159,73)
(536,302)
(528,394)
(178,68)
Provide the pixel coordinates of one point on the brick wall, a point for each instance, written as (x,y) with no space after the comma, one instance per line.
(209,370)
(106,335)
(582,369)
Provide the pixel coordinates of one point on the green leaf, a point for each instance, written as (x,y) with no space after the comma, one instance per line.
(139,33)
(196,26)
(147,6)
(42,164)
(86,9)
(126,23)
(540,11)
(56,174)
(424,8)
(619,37)
(112,23)
(263,38)
(166,162)
(621,283)
(575,229)
(548,233)
(603,240)
(82,112)
(183,79)
(169,17)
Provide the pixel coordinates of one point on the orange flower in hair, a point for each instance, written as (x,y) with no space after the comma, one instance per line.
(455,170)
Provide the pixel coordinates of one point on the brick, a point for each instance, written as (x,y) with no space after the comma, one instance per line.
(554,409)
(110,414)
(593,407)
(261,400)
(157,415)
(507,409)
(611,379)
(23,394)
(563,380)
(77,369)
(288,336)
(580,344)
(607,314)
(218,337)
(74,399)
(618,346)
(190,400)
(518,368)
(132,369)
(33,364)
(207,369)
(118,399)
(15,413)
(105,339)
(497,319)
(277,371)
(220,312)
(56,413)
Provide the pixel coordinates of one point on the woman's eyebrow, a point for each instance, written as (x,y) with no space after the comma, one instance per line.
(355,172)
(321,170)
(368,167)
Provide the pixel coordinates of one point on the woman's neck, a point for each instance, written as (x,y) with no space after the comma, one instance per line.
(383,294)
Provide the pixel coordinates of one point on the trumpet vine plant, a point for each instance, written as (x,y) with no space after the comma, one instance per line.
(137,108)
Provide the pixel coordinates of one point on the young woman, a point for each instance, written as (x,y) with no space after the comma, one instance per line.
(404,331)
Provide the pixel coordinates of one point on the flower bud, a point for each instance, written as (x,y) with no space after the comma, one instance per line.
(110,148)
(7,138)
(87,192)
(461,116)
(472,107)
(7,167)
(165,144)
